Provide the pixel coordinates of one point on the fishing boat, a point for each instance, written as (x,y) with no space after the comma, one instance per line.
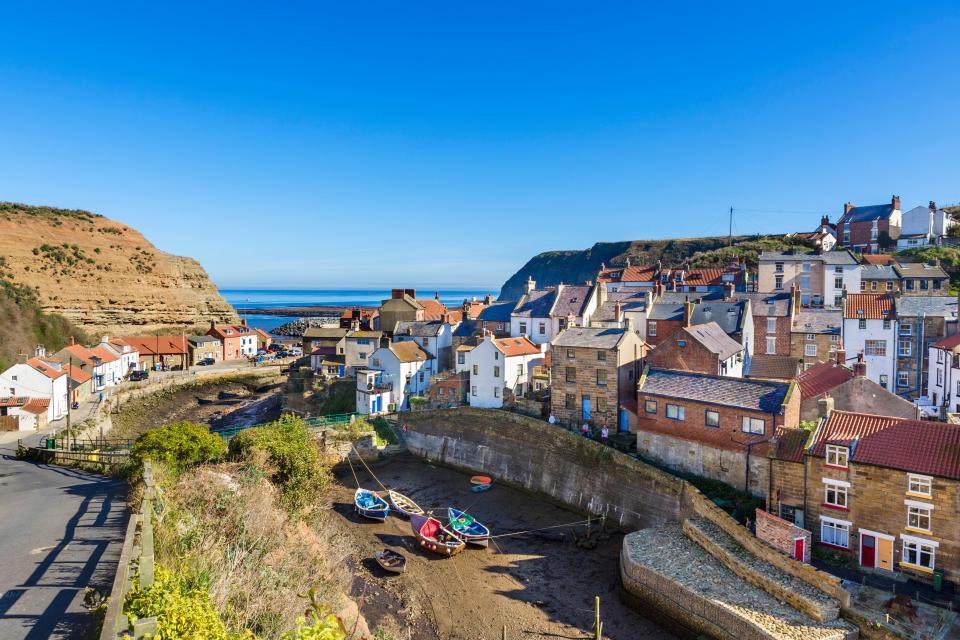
(465,526)
(432,535)
(480,480)
(391,560)
(404,505)
(370,505)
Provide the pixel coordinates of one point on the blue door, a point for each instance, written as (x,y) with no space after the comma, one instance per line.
(377,403)
(586,408)
(341,370)
(623,424)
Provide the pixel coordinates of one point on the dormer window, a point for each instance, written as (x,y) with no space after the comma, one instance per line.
(837,456)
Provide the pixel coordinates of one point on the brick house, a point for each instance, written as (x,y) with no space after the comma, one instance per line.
(815,336)
(594,373)
(495,319)
(866,229)
(921,322)
(701,348)
(849,390)
(203,347)
(239,341)
(672,311)
(708,280)
(713,426)
(885,490)
(772,319)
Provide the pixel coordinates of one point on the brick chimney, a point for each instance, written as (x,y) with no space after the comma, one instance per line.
(846,207)
(617,312)
(825,221)
(687,312)
(213,325)
(488,299)
(531,284)
(841,357)
(895,201)
(860,367)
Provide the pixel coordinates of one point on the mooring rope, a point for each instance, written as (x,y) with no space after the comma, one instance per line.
(555,526)
(355,479)
(363,462)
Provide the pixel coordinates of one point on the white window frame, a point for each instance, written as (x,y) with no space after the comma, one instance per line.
(771,344)
(839,488)
(835,526)
(903,378)
(918,543)
(652,328)
(919,510)
(838,456)
(810,350)
(916,483)
(771,325)
(748,425)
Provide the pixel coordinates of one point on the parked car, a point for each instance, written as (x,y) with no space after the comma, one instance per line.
(206,362)
(137,376)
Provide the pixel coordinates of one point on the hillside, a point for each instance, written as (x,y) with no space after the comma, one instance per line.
(103,276)
(574,267)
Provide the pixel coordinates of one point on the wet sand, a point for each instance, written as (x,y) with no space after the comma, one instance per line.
(536,586)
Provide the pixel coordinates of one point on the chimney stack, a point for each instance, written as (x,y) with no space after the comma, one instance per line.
(727,291)
(531,284)
(860,367)
(841,357)
(933,206)
(846,207)
(628,261)
(436,295)
(687,312)
(39,351)
(825,221)
(895,201)
(796,298)
(825,406)
(617,312)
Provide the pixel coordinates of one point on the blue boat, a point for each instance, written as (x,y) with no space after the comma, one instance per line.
(370,505)
(465,526)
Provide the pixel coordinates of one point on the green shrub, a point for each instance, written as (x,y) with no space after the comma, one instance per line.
(296,462)
(323,625)
(179,445)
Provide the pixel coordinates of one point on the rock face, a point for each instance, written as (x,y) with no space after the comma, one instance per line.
(103,275)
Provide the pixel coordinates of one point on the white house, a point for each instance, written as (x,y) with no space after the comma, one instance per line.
(38,377)
(435,336)
(497,365)
(127,354)
(27,414)
(943,381)
(869,328)
(922,226)
(840,271)
(374,391)
(541,314)
(407,367)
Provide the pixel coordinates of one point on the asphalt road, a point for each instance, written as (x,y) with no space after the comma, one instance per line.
(61,531)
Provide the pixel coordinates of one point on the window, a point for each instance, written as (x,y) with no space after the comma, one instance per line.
(906,329)
(496,392)
(939,356)
(520,370)
(363,340)
(523,328)
(811,337)
(875,347)
(426,342)
(421,376)
(806,267)
(889,285)
(499,326)
(873,285)
(711,418)
(771,345)
(834,532)
(376,362)
(778,267)
(571,374)
(837,456)
(461,358)
(838,283)
(918,553)
(863,285)
(886,325)
(543,328)
(862,324)
(496,355)
(601,377)
(909,284)
(778,283)
(476,369)
(602,356)
(652,328)
(810,350)
(473,390)
(838,301)
(771,325)
(753,425)
(904,347)
(649,406)
(835,493)
(838,270)
(570,401)
(362,355)
(936,284)
(496,372)
(919,485)
(805,283)
(903,378)
(939,377)
(571,354)
(834,338)
(918,515)
(884,379)
(924,285)
(674,411)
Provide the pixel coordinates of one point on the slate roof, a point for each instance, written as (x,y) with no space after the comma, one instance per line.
(799,256)
(419,328)
(729,315)
(766,304)
(869,306)
(594,337)
(666,311)
(790,444)
(878,272)
(818,321)
(715,339)
(607,311)
(498,311)
(754,395)
(839,257)
(822,377)
(920,270)
(202,339)
(937,306)
(536,304)
(867,214)
(570,300)
(465,329)
(773,367)
(916,446)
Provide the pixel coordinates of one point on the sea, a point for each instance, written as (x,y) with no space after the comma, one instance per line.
(270,298)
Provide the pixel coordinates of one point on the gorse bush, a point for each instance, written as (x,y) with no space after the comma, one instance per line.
(179,445)
(296,463)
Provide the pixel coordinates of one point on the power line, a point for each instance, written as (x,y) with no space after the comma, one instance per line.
(792,212)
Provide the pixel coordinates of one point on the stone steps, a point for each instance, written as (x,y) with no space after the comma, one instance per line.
(760,573)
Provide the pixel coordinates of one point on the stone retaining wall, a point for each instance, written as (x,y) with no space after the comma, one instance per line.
(781,534)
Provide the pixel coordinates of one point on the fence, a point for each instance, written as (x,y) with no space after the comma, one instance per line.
(136,557)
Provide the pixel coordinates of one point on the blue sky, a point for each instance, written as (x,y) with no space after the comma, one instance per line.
(443,144)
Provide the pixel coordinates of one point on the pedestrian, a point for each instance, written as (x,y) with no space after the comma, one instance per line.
(585,430)
(604,434)
(552,419)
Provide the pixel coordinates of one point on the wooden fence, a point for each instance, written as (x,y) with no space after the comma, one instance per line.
(136,558)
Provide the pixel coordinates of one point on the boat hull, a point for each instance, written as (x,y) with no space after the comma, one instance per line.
(428,532)
(464,526)
(370,505)
(404,506)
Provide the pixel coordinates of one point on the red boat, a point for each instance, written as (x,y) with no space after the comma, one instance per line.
(433,536)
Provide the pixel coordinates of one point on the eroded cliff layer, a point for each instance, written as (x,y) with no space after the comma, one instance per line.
(103,275)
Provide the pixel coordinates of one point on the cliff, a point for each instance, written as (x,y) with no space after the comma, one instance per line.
(104,276)
(576,267)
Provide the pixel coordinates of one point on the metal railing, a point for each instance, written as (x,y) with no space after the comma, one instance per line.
(333,420)
(136,558)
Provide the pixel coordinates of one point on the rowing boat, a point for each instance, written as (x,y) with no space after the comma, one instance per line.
(391,560)
(404,505)
(370,505)
(465,526)
(432,535)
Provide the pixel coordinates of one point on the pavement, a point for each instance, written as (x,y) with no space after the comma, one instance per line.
(62,531)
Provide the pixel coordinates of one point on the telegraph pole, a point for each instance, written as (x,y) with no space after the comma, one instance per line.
(730,237)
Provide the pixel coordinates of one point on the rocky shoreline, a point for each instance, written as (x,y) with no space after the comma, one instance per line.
(306,312)
(295,328)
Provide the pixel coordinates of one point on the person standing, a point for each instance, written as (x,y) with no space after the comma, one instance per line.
(604,434)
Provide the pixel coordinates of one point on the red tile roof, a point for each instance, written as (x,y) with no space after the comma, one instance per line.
(104,354)
(13,401)
(37,405)
(707,276)
(869,306)
(633,273)
(76,374)
(521,346)
(820,378)
(916,446)
(53,369)
(877,258)
(950,342)
(157,345)
(81,353)
(432,308)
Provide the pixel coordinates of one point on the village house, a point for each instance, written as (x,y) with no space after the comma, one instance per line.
(868,329)
(75,355)
(357,348)
(821,278)
(629,275)
(449,390)
(401,307)
(879,278)
(18,413)
(701,348)
(923,226)
(884,490)
(165,352)
(499,369)
(239,340)
(204,348)
(325,341)
(922,279)
(712,426)
(541,314)
(772,320)
(594,373)
(406,367)
(870,229)
(626,303)
(823,238)
(374,391)
(435,336)
(815,336)
(943,377)
(849,390)
(80,383)
(921,322)
(495,319)
(264,339)
(358,318)
(38,377)
(732,278)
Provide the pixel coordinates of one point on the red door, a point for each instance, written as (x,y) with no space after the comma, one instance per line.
(798,549)
(868,552)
